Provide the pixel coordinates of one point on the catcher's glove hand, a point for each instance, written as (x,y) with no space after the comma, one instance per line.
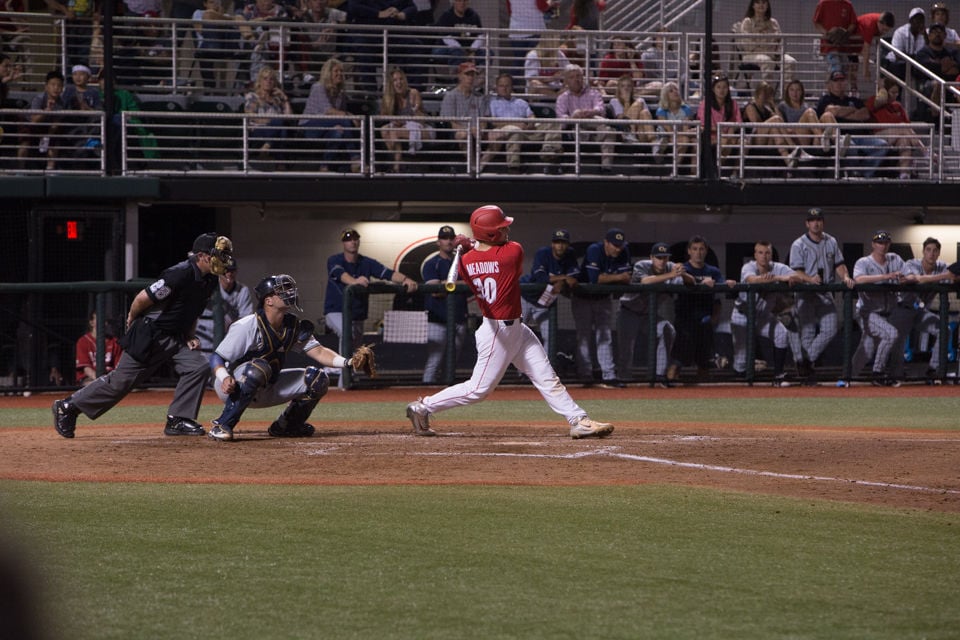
(364,360)
(837,35)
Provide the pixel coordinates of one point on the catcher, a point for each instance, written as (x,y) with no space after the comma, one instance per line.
(248,364)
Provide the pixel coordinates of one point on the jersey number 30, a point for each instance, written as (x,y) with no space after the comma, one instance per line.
(486,289)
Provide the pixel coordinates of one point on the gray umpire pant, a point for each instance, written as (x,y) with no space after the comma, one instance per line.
(191,367)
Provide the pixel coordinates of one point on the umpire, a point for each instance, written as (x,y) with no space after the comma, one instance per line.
(160,327)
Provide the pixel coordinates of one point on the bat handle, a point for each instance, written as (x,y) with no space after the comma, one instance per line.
(451,283)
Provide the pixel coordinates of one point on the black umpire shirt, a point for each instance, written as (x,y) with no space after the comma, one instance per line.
(180,296)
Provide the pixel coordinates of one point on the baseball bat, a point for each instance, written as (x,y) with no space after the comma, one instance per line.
(451,282)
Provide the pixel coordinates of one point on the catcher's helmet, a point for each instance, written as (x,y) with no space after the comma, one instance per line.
(280,285)
(487,223)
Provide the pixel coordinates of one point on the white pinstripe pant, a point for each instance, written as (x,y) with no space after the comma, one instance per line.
(879,338)
(767,326)
(815,310)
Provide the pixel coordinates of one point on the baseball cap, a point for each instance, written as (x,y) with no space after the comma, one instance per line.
(232,266)
(660,250)
(916,11)
(881,236)
(205,243)
(81,67)
(349,234)
(467,67)
(816,213)
(937,25)
(446,232)
(838,75)
(616,237)
(560,235)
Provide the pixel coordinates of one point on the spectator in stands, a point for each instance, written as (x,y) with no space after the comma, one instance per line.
(80,95)
(44,126)
(621,60)
(585,14)
(836,20)
(267,101)
(940,60)
(555,266)
(464,44)
(87,351)
(505,105)
(836,106)
(885,109)
(543,67)
(435,271)
(870,26)
(235,302)
(141,8)
(400,99)
(793,109)
(724,109)
(672,108)
(146,55)
(763,109)
(766,52)
(908,38)
(463,101)
(698,313)
(527,23)
(317,39)
(214,43)
(341,135)
(80,17)
(581,102)
(404,50)
(627,105)
(940,14)
(9,73)
(262,41)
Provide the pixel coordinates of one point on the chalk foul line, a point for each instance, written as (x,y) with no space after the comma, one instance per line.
(611,452)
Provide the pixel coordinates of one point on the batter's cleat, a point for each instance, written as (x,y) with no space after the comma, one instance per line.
(182,427)
(280,429)
(420,419)
(65,418)
(220,432)
(587,428)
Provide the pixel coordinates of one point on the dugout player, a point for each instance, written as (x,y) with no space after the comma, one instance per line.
(817,259)
(435,271)
(491,266)
(557,267)
(248,363)
(160,326)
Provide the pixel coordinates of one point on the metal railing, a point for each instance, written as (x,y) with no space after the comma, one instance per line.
(40,141)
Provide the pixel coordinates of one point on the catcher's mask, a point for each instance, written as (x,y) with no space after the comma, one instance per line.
(280,285)
(220,250)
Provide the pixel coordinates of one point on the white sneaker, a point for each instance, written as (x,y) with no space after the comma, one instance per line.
(587,428)
(44,145)
(220,432)
(844,145)
(420,419)
(825,142)
(803,156)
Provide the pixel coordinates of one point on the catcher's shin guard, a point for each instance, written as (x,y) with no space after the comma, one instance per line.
(251,377)
(293,421)
(316,381)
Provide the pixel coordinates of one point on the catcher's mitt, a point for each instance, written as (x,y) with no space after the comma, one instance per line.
(364,360)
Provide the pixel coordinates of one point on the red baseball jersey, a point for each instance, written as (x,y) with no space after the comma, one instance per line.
(494,277)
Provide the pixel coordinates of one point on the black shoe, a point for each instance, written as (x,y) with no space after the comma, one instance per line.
(780,380)
(879,379)
(613,384)
(804,369)
(893,382)
(182,427)
(65,418)
(662,383)
(278,430)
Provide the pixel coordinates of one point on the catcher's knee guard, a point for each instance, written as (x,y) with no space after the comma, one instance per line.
(251,377)
(316,381)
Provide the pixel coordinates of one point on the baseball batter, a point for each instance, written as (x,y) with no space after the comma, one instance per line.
(491,266)
(248,363)
(817,259)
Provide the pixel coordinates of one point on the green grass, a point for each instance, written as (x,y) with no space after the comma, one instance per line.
(169,561)
(857,412)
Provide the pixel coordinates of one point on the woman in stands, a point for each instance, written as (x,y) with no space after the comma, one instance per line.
(763,109)
(885,109)
(543,67)
(622,59)
(400,99)
(341,134)
(267,101)
(627,105)
(793,109)
(673,108)
(765,52)
(724,109)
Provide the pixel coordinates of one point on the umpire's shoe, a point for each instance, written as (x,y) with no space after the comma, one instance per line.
(587,428)
(220,431)
(182,427)
(65,418)
(420,419)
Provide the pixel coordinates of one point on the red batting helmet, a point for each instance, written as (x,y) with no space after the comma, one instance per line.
(487,221)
